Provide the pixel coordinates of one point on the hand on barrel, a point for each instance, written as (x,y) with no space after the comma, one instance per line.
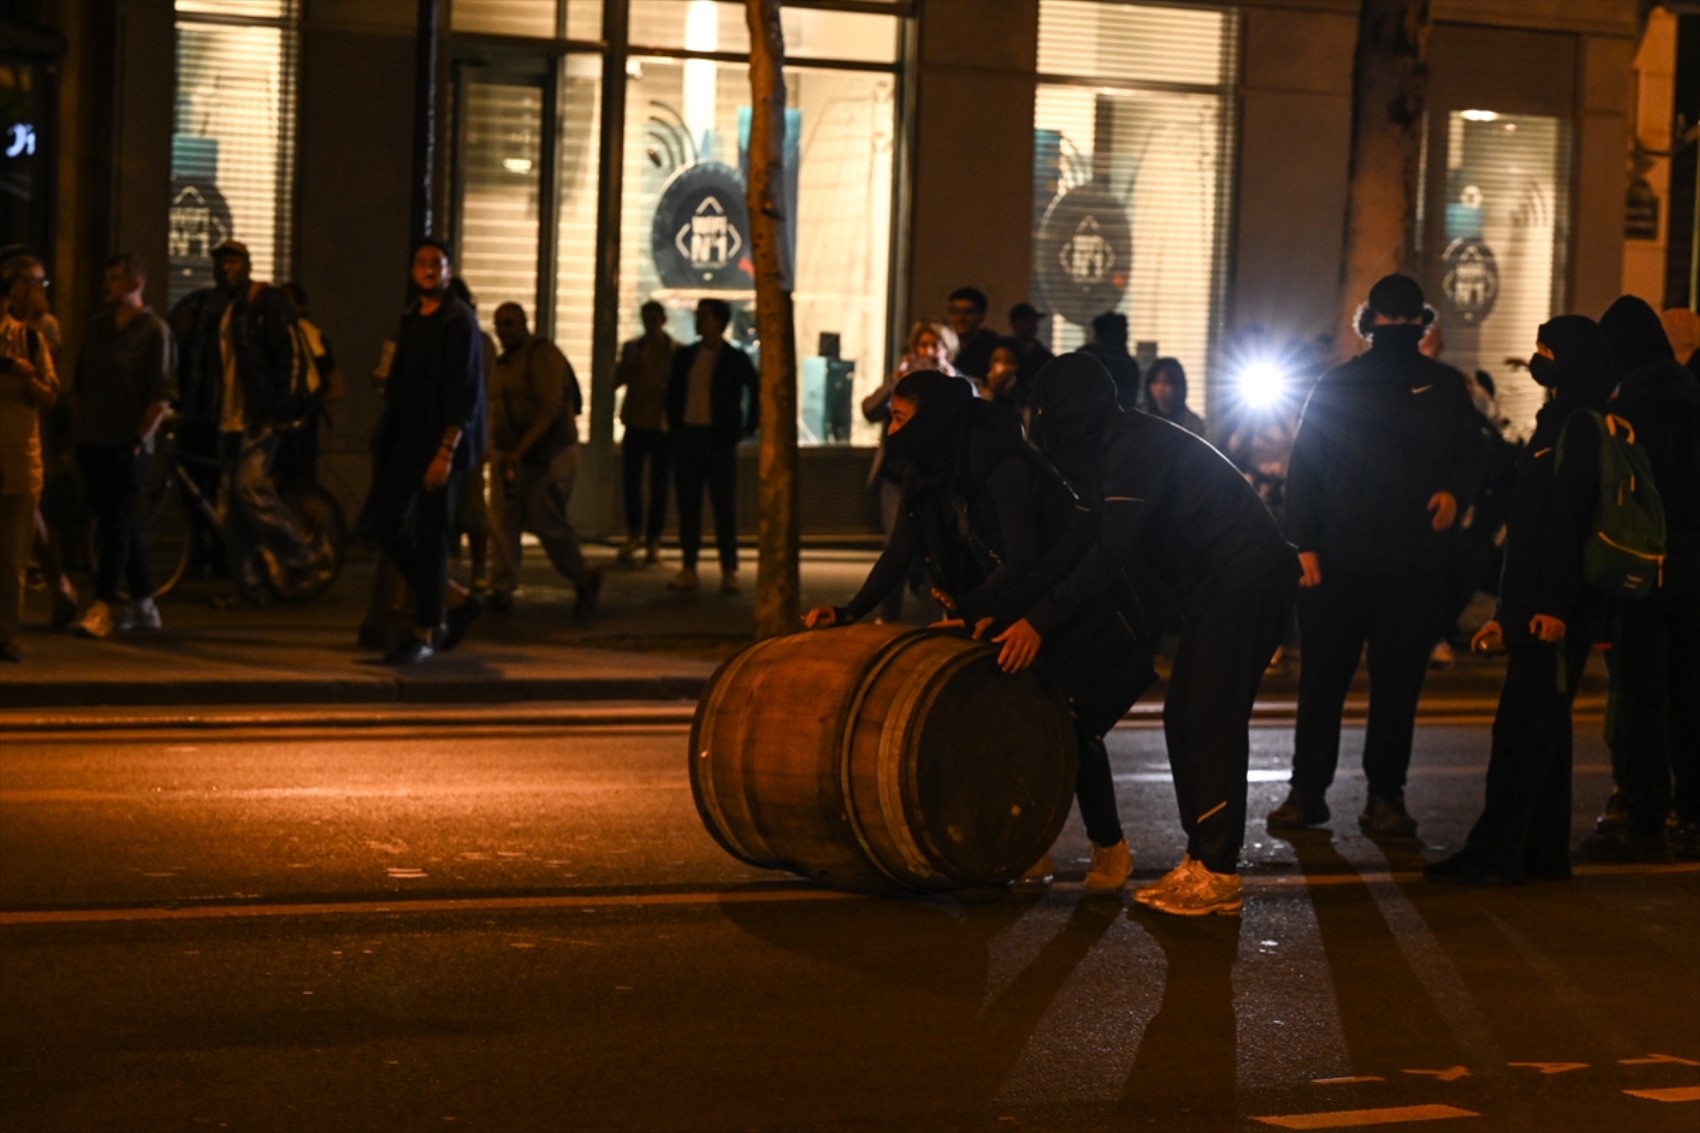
(1020,645)
(820,617)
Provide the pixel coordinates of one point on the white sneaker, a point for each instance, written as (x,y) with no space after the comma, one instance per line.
(96,621)
(1109,869)
(141,615)
(1180,875)
(1202,894)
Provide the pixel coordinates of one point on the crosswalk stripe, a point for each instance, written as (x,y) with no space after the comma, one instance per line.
(1669,1094)
(1349,1118)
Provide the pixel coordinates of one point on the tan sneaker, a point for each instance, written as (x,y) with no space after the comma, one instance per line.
(1109,869)
(97,620)
(686,579)
(1177,876)
(1039,874)
(1202,894)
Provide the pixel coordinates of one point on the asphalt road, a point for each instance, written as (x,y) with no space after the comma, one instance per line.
(432,927)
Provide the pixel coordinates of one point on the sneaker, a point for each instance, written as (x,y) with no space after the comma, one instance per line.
(584,602)
(1616,812)
(1303,808)
(410,650)
(1441,656)
(1684,840)
(459,620)
(729,582)
(1201,894)
(1040,873)
(1109,869)
(141,615)
(1384,816)
(1623,842)
(1176,877)
(685,580)
(97,620)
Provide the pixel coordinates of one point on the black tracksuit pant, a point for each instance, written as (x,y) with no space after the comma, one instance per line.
(1224,648)
(1393,614)
(1656,689)
(702,457)
(639,447)
(413,526)
(112,476)
(1524,827)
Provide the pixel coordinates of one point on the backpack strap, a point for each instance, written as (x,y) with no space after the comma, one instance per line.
(1612,423)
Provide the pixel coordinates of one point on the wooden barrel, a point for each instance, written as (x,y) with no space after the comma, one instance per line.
(877,757)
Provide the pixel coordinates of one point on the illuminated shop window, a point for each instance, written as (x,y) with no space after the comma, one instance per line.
(1132,128)
(233,140)
(563,19)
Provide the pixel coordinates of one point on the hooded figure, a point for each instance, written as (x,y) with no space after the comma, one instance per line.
(997,527)
(1547,618)
(1174,510)
(1657,639)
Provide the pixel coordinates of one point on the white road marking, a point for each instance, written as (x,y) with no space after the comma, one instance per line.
(1348,1118)
(1669,1094)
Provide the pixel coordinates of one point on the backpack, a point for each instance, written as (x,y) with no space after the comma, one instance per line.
(1625,552)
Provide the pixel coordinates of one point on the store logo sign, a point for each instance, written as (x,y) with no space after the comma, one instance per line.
(200,222)
(1471,280)
(709,241)
(1084,253)
(19,140)
(1087,257)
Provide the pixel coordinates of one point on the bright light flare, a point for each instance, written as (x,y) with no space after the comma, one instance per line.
(1262,384)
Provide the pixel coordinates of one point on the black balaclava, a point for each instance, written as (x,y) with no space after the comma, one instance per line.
(1636,336)
(943,405)
(1073,400)
(1580,372)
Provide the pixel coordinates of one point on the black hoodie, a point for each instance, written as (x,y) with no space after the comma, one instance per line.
(1661,399)
(1380,435)
(1172,506)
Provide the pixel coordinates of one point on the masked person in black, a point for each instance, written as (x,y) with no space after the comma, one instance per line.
(1546,617)
(1387,446)
(1179,518)
(1656,644)
(990,519)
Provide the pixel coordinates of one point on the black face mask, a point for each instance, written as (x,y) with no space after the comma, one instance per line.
(1544,370)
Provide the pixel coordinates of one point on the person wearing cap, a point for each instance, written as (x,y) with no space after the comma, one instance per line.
(239,374)
(432,430)
(1387,446)
(1030,353)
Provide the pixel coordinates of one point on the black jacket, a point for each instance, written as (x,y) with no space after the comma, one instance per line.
(262,327)
(1379,436)
(732,414)
(436,382)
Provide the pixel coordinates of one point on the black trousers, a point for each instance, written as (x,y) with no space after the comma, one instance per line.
(1525,820)
(1393,615)
(112,476)
(1656,694)
(654,448)
(1224,647)
(703,457)
(413,526)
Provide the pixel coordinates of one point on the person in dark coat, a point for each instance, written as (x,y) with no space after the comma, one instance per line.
(1656,645)
(432,430)
(711,405)
(996,526)
(1176,516)
(1165,395)
(1546,617)
(1109,346)
(1387,446)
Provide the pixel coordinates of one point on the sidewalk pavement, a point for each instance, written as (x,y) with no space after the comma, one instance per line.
(644,643)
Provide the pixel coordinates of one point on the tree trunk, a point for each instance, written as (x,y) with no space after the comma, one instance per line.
(777,587)
(1389,94)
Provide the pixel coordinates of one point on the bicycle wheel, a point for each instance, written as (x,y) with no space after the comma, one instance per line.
(321,519)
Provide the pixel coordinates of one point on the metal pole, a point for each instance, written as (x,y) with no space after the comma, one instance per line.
(598,470)
(426,46)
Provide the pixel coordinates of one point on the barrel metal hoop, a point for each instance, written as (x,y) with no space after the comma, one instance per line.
(900,793)
(873,668)
(702,777)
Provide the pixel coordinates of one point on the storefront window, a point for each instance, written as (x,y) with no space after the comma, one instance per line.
(501,170)
(233,145)
(1499,260)
(565,19)
(1131,153)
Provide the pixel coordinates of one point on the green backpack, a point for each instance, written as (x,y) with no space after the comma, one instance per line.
(1625,554)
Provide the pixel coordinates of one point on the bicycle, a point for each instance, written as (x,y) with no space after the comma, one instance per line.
(172,501)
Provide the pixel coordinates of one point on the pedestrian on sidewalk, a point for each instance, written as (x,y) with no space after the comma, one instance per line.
(431,431)
(975,341)
(712,404)
(28,384)
(126,381)
(1387,445)
(1180,519)
(535,401)
(645,363)
(1547,619)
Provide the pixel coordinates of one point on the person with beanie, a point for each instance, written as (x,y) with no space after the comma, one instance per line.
(1547,619)
(1387,447)
(996,526)
(1177,519)
(1656,639)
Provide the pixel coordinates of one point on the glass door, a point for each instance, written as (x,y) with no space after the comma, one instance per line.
(499,188)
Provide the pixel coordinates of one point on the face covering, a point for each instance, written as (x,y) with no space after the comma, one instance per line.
(1544,370)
